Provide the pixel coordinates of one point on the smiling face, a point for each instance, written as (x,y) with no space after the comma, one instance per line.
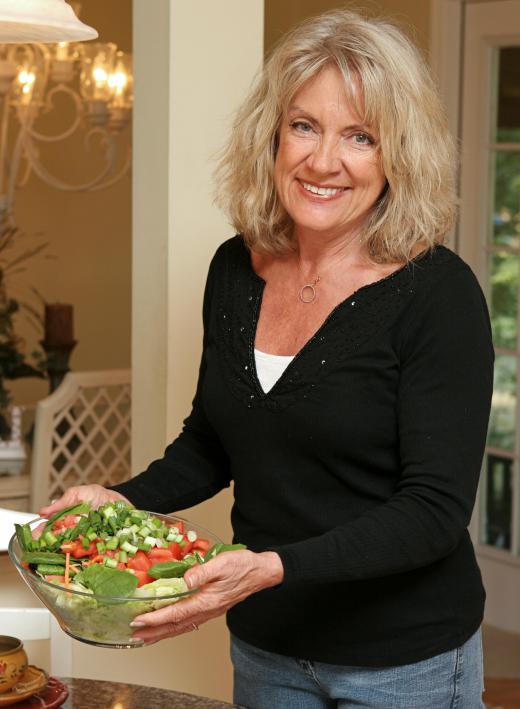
(328,172)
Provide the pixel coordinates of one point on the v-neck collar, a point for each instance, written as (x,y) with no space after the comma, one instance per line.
(362,313)
(350,300)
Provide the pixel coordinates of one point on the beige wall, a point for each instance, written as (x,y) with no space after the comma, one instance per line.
(88,236)
(412,15)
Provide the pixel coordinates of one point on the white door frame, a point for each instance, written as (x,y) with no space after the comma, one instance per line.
(446,44)
(450,40)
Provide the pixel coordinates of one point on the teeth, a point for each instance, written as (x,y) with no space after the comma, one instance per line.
(323,191)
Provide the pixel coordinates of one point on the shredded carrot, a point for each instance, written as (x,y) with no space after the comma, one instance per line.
(67,568)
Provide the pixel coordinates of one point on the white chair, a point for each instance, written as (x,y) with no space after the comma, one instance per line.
(82,434)
(39,624)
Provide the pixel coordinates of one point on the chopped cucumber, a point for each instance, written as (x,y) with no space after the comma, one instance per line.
(112,543)
(130,548)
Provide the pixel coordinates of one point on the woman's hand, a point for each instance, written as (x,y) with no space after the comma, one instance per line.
(224,581)
(95,494)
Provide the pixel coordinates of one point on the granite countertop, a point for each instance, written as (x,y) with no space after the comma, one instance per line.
(94,694)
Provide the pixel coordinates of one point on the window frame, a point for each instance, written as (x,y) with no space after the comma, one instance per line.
(465,85)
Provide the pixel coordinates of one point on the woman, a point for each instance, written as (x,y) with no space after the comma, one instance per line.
(345,388)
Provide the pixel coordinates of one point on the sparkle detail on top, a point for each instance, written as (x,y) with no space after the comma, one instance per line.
(237,295)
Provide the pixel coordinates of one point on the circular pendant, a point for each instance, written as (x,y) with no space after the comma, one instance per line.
(307,293)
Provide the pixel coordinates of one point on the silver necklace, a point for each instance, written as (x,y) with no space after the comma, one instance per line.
(307,292)
(310,290)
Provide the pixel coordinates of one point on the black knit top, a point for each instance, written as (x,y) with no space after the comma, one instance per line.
(359,467)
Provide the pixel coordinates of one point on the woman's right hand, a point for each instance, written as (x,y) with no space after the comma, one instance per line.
(95,494)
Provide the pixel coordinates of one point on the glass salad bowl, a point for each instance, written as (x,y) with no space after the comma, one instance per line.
(97,614)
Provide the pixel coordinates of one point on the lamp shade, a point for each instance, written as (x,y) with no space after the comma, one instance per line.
(41,21)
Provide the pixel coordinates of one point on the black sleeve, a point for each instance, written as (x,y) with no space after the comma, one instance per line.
(445,388)
(194,467)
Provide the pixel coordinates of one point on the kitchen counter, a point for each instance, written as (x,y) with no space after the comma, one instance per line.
(93,694)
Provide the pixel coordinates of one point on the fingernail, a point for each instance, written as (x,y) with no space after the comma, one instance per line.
(137,624)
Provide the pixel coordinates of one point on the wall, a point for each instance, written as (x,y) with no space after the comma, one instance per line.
(87,260)
(412,15)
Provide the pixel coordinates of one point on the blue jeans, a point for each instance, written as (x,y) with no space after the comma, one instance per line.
(265,680)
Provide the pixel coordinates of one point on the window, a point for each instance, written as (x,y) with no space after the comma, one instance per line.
(500,486)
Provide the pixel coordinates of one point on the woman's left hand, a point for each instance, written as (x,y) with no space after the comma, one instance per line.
(224,581)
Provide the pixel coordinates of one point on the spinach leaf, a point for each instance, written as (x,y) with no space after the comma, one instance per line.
(169,569)
(104,581)
(219,548)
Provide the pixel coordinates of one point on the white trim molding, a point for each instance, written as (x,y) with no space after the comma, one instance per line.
(446,44)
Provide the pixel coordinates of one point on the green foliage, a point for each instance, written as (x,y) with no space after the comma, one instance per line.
(506,217)
(504,285)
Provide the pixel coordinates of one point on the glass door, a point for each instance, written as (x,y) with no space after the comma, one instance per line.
(499,522)
(489,240)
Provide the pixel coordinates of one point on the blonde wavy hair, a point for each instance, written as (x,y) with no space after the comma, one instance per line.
(400,100)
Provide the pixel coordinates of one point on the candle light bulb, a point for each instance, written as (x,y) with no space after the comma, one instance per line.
(97,62)
(100,75)
(117,81)
(120,82)
(26,79)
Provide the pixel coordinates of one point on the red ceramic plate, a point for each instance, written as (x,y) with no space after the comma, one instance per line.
(50,697)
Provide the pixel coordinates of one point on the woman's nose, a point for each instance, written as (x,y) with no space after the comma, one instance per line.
(324,158)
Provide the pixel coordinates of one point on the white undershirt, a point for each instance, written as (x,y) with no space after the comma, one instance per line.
(270,367)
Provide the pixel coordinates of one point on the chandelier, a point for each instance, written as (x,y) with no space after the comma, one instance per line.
(95,78)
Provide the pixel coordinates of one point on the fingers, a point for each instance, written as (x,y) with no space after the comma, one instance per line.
(222,583)
(70,497)
(182,612)
(170,630)
(95,494)
(199,575)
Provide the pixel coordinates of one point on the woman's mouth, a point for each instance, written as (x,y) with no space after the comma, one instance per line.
(321,193)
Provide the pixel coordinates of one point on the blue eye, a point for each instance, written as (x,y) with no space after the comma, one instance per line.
(363,139)
(301,126)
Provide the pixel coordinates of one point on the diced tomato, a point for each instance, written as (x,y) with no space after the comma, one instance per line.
(176,550)
(98,559)
(142,577)
(157,555)
(186,548)
(66,522)
(109,552)
(121,565)
(180,526)
(201,545)
(140,562)
(79,551)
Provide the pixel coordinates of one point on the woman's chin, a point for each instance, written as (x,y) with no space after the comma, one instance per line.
(318,226)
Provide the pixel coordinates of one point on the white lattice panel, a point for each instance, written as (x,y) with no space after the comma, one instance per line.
(82,434)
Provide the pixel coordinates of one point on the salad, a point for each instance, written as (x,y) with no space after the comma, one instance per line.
(98,569)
